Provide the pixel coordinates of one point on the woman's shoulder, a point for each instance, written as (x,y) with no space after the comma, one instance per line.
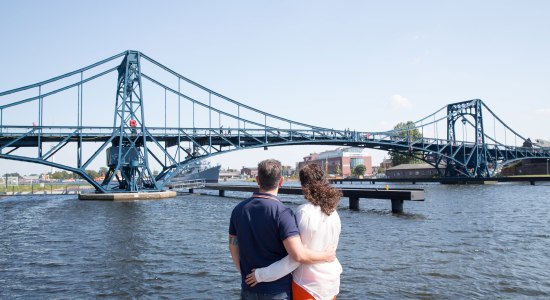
(308,209)
(306,206)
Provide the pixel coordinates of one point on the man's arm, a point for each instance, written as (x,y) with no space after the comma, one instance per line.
(272,272)
(234,249)
(303,255)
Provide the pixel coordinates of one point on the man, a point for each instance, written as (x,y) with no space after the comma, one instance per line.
(263,230)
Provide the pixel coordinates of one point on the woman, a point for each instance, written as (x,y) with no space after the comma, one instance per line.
(319,226)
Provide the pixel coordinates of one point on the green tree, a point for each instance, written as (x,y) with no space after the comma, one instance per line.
(12,175)
(103,171)
(92,173)
(359,170)
(406,132)
(61,175)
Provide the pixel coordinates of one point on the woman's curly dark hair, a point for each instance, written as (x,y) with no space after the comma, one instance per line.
(317,189)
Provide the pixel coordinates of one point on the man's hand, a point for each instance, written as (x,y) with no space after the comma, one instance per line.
(251,278)
(330,254)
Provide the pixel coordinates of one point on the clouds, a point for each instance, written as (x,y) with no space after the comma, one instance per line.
(399,102)
(543,111)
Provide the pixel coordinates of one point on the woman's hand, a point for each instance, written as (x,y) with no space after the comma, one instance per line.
(251,278)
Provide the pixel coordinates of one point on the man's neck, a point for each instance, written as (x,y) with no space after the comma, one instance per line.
(272,192)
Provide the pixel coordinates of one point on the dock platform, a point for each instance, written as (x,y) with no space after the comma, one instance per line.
(397,196)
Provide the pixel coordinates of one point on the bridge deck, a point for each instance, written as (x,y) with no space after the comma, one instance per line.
(397,196)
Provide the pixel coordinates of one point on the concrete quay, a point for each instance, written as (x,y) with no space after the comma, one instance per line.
(127,196)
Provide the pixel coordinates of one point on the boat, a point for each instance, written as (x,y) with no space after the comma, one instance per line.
(199,171)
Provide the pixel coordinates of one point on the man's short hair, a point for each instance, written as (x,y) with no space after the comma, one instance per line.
(269,173)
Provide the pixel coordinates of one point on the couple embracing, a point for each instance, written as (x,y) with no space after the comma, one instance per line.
(281,255)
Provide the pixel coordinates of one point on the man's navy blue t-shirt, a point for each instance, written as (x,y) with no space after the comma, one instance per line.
(261,224)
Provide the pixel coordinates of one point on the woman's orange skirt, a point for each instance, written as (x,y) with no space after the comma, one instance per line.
(298,293)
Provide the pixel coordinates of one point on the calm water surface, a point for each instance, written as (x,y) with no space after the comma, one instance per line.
(463,242)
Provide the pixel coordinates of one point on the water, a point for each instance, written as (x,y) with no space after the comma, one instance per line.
(463,242)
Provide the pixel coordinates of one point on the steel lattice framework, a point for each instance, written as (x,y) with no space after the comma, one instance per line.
(204,123)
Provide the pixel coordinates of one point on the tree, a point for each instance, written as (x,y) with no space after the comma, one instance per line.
(92,173)
(12,175)
(406,132)
(61,175)
(359,170)
(103,171)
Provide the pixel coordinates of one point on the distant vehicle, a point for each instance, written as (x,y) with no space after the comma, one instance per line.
(542,143)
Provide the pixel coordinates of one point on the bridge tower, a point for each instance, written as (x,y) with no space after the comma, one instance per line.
(127,158)
(469,159)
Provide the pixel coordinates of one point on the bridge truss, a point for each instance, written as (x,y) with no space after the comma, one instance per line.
(188,122)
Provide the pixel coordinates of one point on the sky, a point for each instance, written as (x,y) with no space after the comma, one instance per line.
(363,65)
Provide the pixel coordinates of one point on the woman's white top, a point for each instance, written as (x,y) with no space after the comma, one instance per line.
(318,232)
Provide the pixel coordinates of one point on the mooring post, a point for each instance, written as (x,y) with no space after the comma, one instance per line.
(396,206)
(353,202)
(222,193)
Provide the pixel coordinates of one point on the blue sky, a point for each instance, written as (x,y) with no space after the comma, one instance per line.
(364,65)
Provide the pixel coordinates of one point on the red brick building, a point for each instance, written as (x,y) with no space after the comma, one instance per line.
(340,162)
(249,172)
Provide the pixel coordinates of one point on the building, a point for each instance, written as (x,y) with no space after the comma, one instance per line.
(411,171)
(527,167)
(229,174)
(340,162)
(249,172)
(386,163)
(29,179)
(9,180)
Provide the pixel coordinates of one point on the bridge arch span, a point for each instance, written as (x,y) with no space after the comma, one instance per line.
(184,121)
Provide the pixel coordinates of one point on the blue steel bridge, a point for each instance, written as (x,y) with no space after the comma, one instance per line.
(161,118)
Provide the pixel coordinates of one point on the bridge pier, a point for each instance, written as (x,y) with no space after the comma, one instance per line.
(354,203)
(396,206)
